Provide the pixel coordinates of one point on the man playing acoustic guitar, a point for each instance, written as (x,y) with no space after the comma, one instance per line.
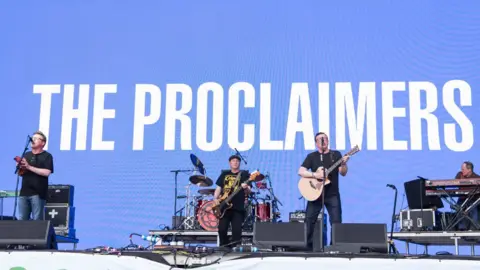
(226,184)
(332,194)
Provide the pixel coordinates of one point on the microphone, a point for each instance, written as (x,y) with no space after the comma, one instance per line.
(240,155)
(321,142)
(30,138)
(391,186)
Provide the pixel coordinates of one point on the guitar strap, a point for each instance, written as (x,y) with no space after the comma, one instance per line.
(234,185)
(239,176)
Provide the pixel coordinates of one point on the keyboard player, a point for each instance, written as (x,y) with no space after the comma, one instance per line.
(465,172)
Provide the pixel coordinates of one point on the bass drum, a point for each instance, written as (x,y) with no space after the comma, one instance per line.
(207,220)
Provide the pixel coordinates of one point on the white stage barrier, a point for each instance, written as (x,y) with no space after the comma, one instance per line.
(342,263)
(30,260)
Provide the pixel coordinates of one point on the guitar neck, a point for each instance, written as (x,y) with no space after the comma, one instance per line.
(334,166)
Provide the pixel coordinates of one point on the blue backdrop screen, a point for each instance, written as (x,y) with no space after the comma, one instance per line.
(127,91)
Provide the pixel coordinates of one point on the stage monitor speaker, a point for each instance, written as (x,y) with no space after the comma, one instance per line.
(290,235)
(27,234)
(416,197)
(359,238)
(280,234)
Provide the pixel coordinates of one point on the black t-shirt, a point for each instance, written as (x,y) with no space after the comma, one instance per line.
(32,183)
(226,180)
(313,161)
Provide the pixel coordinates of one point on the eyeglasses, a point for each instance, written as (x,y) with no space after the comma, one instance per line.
(37,139)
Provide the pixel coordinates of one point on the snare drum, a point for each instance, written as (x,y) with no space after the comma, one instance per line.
(263,212)
(261,185)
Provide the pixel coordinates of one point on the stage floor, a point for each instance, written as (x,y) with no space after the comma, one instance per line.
(425,239)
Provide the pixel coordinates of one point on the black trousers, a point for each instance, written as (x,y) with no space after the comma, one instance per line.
(334,209)
(235,218)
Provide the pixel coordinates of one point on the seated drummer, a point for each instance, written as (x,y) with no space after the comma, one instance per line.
(466,171)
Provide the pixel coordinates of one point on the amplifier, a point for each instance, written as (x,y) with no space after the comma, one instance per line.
(60,216)
(60,195)
(299,216)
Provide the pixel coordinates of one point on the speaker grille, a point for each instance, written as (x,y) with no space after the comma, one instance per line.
(360,233)
(291,234)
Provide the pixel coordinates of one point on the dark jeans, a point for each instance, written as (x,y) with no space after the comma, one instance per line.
(334,209)
(30,207)
(234,217)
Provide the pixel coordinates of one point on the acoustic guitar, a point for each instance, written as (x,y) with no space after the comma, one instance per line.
(224,202)
(308,186)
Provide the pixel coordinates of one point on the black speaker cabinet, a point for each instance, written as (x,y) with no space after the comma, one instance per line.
(281,234)
(286,235)
(28,234)
(359,238)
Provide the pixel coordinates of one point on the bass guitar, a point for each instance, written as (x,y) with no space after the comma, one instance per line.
(224,203)
(311,188)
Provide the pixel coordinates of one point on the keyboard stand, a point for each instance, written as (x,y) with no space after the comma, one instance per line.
(462,212)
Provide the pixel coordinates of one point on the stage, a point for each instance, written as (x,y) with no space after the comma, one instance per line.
(33,260)
(425,239)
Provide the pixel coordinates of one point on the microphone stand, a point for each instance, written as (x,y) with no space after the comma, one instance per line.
(25,149)
(392,248)
(240,155)
(322,212)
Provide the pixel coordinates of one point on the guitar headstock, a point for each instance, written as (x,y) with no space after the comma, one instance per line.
(353,151)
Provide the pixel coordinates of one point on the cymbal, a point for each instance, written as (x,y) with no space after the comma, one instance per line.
(197,163)
(201,181)
(259,177)
(207,191)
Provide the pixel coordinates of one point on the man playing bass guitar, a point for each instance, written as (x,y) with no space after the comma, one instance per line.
(227,183)
(332,194)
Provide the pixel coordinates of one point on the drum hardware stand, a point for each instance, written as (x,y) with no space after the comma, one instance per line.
(189,221)
(275,199)
(392,248)
(248,222)
(176,194)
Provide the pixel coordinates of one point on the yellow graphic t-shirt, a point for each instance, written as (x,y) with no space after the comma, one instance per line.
(228,182)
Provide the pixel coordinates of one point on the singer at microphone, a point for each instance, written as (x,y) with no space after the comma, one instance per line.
(312,168)
(37,165)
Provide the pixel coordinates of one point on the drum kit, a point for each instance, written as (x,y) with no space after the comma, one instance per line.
(261,204)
